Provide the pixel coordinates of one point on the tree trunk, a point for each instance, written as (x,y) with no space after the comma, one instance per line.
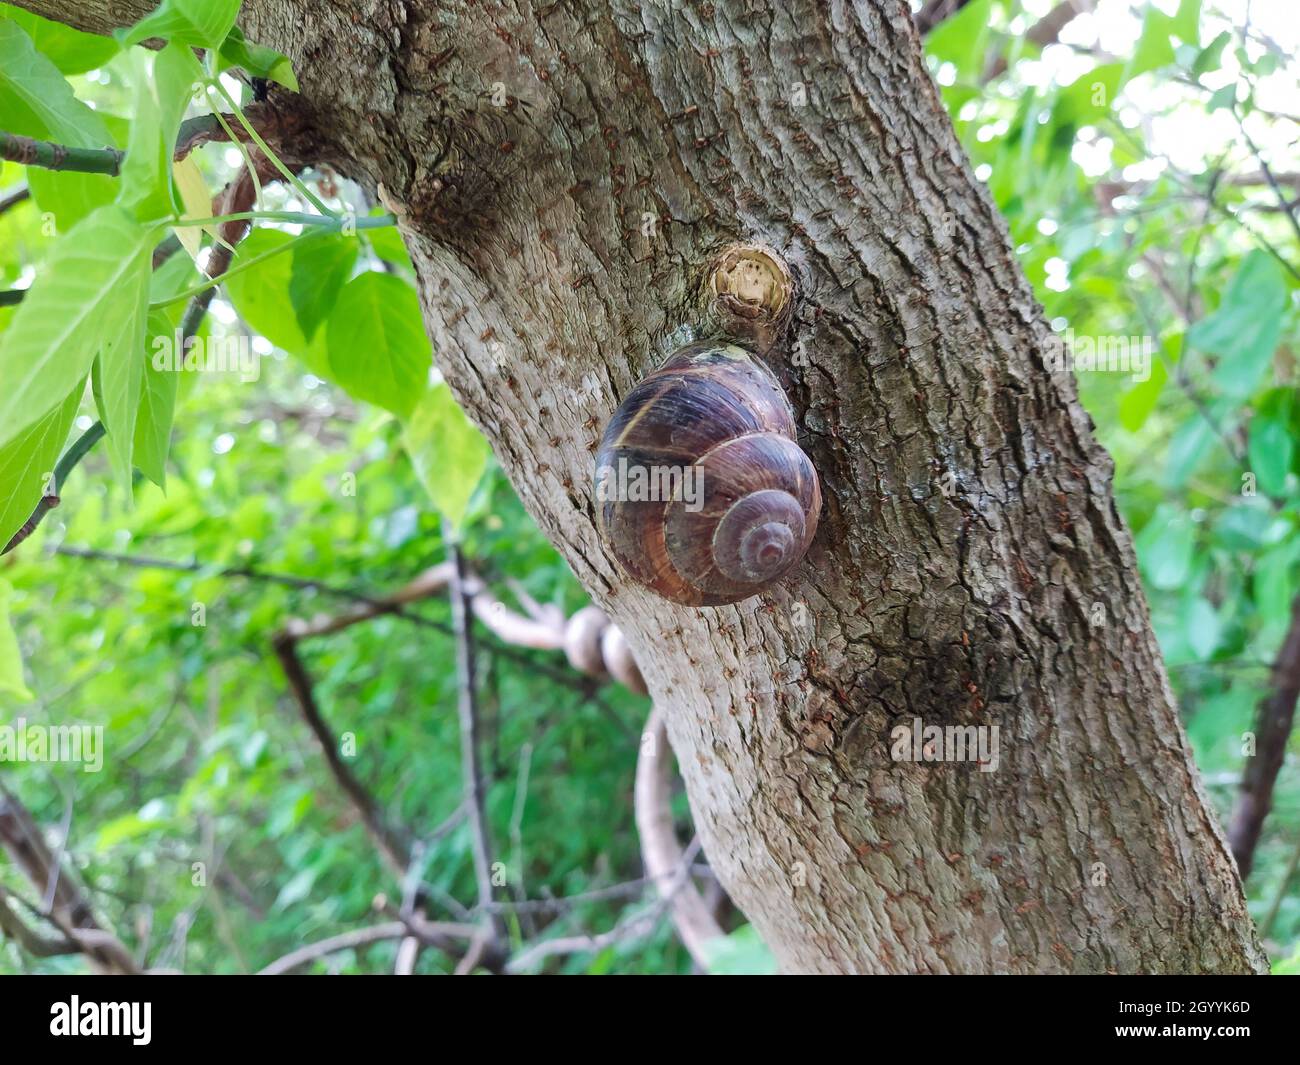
(564,172)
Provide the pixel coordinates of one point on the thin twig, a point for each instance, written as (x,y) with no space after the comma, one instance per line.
(394,850)
(434,934)
(27,151)
(467,712)
(10,200)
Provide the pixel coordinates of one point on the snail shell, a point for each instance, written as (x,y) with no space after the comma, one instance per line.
(742,508)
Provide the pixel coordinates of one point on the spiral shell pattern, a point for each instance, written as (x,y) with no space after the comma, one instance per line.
(703,495)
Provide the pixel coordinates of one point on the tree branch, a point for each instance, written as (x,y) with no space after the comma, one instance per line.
(394,849)
(236,197)
(439,935)
(1272,729)
(32,942)
(660,851)
(66,464)
(935,12)
(467,711)
(67,908)
(26,151)
(1045,31)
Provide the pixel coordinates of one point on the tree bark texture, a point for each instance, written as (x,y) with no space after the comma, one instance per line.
(563,173)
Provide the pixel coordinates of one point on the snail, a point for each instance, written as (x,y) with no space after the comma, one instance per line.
(703,495)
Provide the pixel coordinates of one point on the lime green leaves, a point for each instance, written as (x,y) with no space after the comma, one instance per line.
(449,454)
(200,23)
(157,405)
(1245,329)
(27,463)
(322,265)
(366,334)
(119,369)
(88,310)
(72,51)
(1165,549)
(257,61)
(164,84)
(88,296)
(36,99)
(377,346)
(1271,453)
(260,293)
(12,687)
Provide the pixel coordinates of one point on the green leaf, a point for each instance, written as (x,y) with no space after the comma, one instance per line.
(260,296)
(1090,96)
(164,84)
(1223,98)
(1248,526)
(91,288)
(27,464)
(322,264)
(1187,21)
(157,407)
(12,686)
(201,23)
(1211,56)
(1136,405)
(1273,586)
(962,39)
(449,454)
(387,242)
(740,953)
(125,828)
(1271,452)
(1245,328)
(1154,49)
(1188,448)
(378,350)
(72,51)
(69,196)
(1201,626)
(1165,548)
(256,61)
(36,99)
(117,378)
(158,389)
(296,889)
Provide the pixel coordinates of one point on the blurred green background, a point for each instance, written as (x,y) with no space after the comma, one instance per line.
(1128,157)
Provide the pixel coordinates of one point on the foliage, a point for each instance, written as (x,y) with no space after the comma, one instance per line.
(333,459)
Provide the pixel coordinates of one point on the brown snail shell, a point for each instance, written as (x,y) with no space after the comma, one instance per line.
(743,509)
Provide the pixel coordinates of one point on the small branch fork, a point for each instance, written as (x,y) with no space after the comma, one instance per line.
(194,132)
(539,628)
(591,643)
(65,907)
(482,945)
(237,197)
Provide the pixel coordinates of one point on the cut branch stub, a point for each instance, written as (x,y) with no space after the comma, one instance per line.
(751,293)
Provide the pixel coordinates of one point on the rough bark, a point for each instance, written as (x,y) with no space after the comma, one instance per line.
(970,568)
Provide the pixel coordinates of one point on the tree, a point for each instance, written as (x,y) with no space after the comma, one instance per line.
(563,174)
